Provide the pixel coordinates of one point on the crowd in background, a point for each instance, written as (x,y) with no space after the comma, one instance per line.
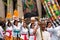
(29,29)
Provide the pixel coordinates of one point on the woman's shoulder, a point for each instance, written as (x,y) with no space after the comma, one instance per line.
(1,28)
(31,29)
(46,32)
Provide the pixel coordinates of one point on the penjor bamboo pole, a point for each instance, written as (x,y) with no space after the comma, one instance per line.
(10,8)
(39,11)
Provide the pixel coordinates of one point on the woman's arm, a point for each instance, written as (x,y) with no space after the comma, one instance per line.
(35,29)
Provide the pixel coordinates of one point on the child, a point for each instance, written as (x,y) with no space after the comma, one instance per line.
(16,31)
(24,32)
(9,31)
(32,31)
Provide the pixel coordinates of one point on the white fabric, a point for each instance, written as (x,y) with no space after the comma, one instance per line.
(32,18)
(16,28)
(6,23)
(8,28)
(1,32)
(46,35)
(29,25)
(54,32)
(24,31)
(31,33)
(12,21)
(35,23)
(38,33)
(19,24)
(58,32)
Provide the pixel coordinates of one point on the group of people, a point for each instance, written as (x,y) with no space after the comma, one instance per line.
(35,30)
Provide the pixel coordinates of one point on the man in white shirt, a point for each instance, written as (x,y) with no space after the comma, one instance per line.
(58,32)
(41,33)
(55,32)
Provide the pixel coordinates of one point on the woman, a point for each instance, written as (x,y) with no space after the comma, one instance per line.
(52,31)
(24,32)
(16,31)
(32,32)
(9,31)
(1,32)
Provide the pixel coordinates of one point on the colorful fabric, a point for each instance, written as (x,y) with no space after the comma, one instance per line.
(32,35)
(10,32)
(15,38)
(25,36)
(8,38)
(16,32)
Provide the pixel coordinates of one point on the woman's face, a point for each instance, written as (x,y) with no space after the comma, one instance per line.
(9,24)
(43,26)
(24,25)
(39,22)
(33,25)
(49,25)
(16,23)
